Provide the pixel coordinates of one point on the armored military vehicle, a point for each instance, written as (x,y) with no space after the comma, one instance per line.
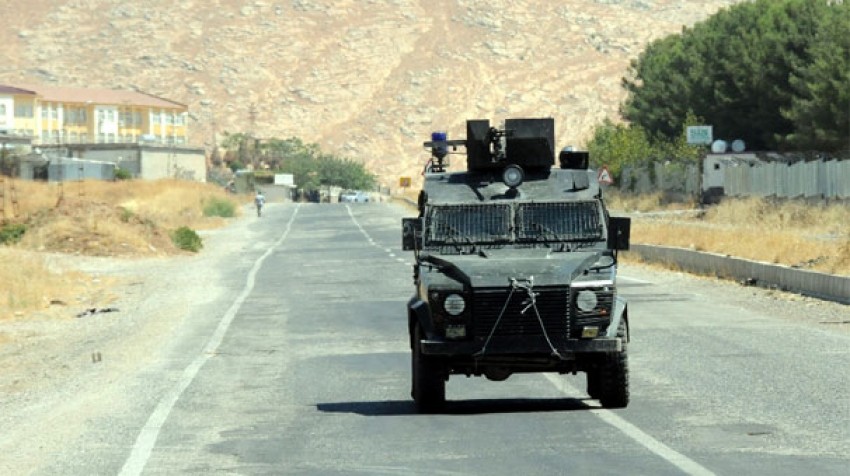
(516,264)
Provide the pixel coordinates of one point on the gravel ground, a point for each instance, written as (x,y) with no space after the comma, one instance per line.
(55,362)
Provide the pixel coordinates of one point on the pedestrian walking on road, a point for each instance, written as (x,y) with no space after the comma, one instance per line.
(259,201)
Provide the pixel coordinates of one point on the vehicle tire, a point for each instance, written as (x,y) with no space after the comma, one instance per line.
(429,383)
(613,377)
(593,383)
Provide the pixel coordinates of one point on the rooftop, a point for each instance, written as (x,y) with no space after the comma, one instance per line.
(97,96)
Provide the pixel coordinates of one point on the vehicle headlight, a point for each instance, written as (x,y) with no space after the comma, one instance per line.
(454,304)
(586,300)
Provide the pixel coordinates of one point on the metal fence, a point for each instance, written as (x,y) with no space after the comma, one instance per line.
(815,179)
(661,177)
(80,170)
(827,179)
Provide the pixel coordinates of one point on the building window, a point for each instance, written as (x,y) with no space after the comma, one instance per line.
(23,110)
(2,109)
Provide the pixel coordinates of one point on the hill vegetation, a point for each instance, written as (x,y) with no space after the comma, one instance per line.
(310,167)
(770,72)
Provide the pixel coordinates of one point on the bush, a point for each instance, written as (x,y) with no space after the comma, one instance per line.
(122,174)
(185,238)
(126,215)
(219,207)
(12,233)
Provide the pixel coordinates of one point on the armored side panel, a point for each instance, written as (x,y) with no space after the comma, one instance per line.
(531,142)
(478,145)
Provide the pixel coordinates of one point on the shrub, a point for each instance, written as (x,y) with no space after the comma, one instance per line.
(185,238)
(219,207)
(122,174)
(12,233)
(126,215)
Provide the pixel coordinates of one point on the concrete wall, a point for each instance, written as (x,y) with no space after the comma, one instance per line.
(126,158)
(147,162)
(811,283)
(186,164)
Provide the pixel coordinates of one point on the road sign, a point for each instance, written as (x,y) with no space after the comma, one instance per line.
(404,182)
(604,176)
(700,135)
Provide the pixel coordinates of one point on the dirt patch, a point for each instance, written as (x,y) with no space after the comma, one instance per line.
(92,219)
(85,226)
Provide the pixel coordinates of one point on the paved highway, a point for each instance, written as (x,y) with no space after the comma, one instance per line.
(301,366)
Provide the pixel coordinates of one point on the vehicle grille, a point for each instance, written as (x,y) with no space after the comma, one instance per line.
(552,304)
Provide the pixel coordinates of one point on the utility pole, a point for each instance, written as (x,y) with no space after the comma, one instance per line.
(252,120)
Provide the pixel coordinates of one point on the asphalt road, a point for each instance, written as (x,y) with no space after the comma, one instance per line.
(302,367)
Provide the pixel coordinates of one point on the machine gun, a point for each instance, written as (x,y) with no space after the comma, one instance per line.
(521,145)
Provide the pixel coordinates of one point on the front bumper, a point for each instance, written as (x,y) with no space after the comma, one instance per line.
(506,346)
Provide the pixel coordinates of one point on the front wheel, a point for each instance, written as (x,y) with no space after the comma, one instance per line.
(612,378)
(429,383)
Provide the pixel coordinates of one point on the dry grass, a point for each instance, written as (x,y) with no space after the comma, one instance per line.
(645,203)
(27,284)
(123,219)
(815,237)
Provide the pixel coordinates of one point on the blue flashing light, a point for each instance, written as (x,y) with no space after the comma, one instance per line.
(439,136)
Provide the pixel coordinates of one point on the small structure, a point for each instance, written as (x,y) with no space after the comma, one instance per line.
(714,173)
(144,161)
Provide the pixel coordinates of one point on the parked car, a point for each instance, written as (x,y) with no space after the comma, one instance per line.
(353,196)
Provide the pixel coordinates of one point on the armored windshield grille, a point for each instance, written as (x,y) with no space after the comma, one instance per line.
(461,224)
(558,221)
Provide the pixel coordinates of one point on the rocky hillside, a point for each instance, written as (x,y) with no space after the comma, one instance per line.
(366,79)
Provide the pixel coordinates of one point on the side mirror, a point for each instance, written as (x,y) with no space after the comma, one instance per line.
(411,234)
(619,229)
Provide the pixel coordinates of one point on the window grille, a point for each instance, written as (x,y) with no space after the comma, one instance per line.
(574,221)
(459,224)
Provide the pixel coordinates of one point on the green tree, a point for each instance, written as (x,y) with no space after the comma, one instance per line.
(820,109)
(310,167)
(619,145)
(732,70)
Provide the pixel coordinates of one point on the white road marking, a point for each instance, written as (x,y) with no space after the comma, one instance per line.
(389,251)
(634,280)
(670,455)
(146,440)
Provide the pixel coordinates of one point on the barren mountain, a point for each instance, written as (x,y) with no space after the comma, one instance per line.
(365,79)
